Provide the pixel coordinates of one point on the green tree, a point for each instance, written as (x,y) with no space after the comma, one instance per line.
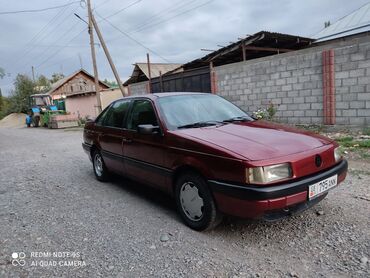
(1,101)
(2,72)
(112,84)
(56,77)
(19,98)
(42,84)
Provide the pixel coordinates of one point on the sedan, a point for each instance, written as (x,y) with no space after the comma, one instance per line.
(212,157)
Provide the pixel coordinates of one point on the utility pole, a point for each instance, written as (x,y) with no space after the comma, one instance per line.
(100,36)
(79,57)
(33,74)
(150,76)
(96,78)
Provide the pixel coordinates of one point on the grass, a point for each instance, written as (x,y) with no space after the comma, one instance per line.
(366,131)
(348,142)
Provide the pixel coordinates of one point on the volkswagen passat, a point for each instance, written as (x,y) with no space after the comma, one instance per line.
(213,157)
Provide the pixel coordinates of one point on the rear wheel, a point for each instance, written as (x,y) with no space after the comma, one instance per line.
(100,171)
(36,121)
(195,202)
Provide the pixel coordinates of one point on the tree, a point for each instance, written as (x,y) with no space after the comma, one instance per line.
(56,77)
(42,84)
(2,72)
(19,98)
(112,84)
(1,101)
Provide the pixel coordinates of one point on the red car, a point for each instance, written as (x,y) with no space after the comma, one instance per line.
(213,157)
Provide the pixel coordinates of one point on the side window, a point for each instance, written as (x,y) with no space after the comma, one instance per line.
(102,116)
(142,113)
(117,113)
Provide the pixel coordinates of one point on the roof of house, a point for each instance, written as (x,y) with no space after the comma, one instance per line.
(64,80)
(260,44)
(353,23)
(141,73)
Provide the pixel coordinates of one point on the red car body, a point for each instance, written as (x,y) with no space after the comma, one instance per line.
(221,154)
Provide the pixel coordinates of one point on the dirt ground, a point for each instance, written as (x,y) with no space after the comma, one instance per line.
(13,120)
(60,222)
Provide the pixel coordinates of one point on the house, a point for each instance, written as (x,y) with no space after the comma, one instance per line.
(138,82)
(353,24)
(78,91)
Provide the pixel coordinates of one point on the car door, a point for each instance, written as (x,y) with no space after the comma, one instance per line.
(144,153)
(111,135)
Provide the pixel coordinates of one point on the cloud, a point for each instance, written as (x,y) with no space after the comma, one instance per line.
(176,30)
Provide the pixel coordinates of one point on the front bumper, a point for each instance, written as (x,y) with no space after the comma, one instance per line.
(257,201)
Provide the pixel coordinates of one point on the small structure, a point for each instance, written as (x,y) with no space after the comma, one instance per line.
(198,75)
(78,90)
(352,24)
(138,82)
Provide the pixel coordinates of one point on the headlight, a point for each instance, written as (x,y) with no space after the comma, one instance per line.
(267,174)
(337,154)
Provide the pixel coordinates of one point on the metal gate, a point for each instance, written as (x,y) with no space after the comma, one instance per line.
(196,80)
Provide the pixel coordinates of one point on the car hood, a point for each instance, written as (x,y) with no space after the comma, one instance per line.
(258,140)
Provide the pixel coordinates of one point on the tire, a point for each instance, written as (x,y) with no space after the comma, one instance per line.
(99,168)
(36,121)
(195,202)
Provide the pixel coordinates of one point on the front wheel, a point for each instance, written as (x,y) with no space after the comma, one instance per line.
(100,170)
(195,202)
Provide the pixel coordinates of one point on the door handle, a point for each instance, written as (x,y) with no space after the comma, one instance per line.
(127,140)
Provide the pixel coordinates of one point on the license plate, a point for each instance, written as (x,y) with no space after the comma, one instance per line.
(320,187)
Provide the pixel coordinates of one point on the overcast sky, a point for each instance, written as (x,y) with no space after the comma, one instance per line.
(176,30)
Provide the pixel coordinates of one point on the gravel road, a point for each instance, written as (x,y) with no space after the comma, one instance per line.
(65,223)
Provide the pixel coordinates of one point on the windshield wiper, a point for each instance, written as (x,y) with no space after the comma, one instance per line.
(237,119)
(200,124)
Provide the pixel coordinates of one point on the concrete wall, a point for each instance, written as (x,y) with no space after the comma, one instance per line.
(110,95)
(140,88)
(293,81)
(82,105)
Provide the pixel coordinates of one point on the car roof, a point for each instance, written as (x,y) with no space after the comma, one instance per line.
(165,94)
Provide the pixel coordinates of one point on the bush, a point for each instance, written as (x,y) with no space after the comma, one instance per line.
(267,113)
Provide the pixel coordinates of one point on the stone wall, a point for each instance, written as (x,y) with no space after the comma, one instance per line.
(293,82)
(140,88)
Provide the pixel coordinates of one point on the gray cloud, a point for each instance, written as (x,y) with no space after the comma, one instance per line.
(178,39)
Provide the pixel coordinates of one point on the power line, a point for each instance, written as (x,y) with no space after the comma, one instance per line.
(170,9)
(41,35)
(39,10)
(172,17)
(56,52)
(124,8)
(133,39)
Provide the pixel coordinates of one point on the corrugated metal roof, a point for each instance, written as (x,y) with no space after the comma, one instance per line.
(156,68)
(141,73)
(266,43)
(354,23)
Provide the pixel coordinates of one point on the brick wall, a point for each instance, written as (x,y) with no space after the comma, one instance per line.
(293,82)
(140,88)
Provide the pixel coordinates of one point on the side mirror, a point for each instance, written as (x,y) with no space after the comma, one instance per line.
(147,129)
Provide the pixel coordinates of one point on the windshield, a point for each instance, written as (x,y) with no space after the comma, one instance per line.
(41,100)
(190,110)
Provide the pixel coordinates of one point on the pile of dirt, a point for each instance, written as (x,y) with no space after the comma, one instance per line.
(14,120)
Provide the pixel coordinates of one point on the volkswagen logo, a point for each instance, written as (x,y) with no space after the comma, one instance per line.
(318,160)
